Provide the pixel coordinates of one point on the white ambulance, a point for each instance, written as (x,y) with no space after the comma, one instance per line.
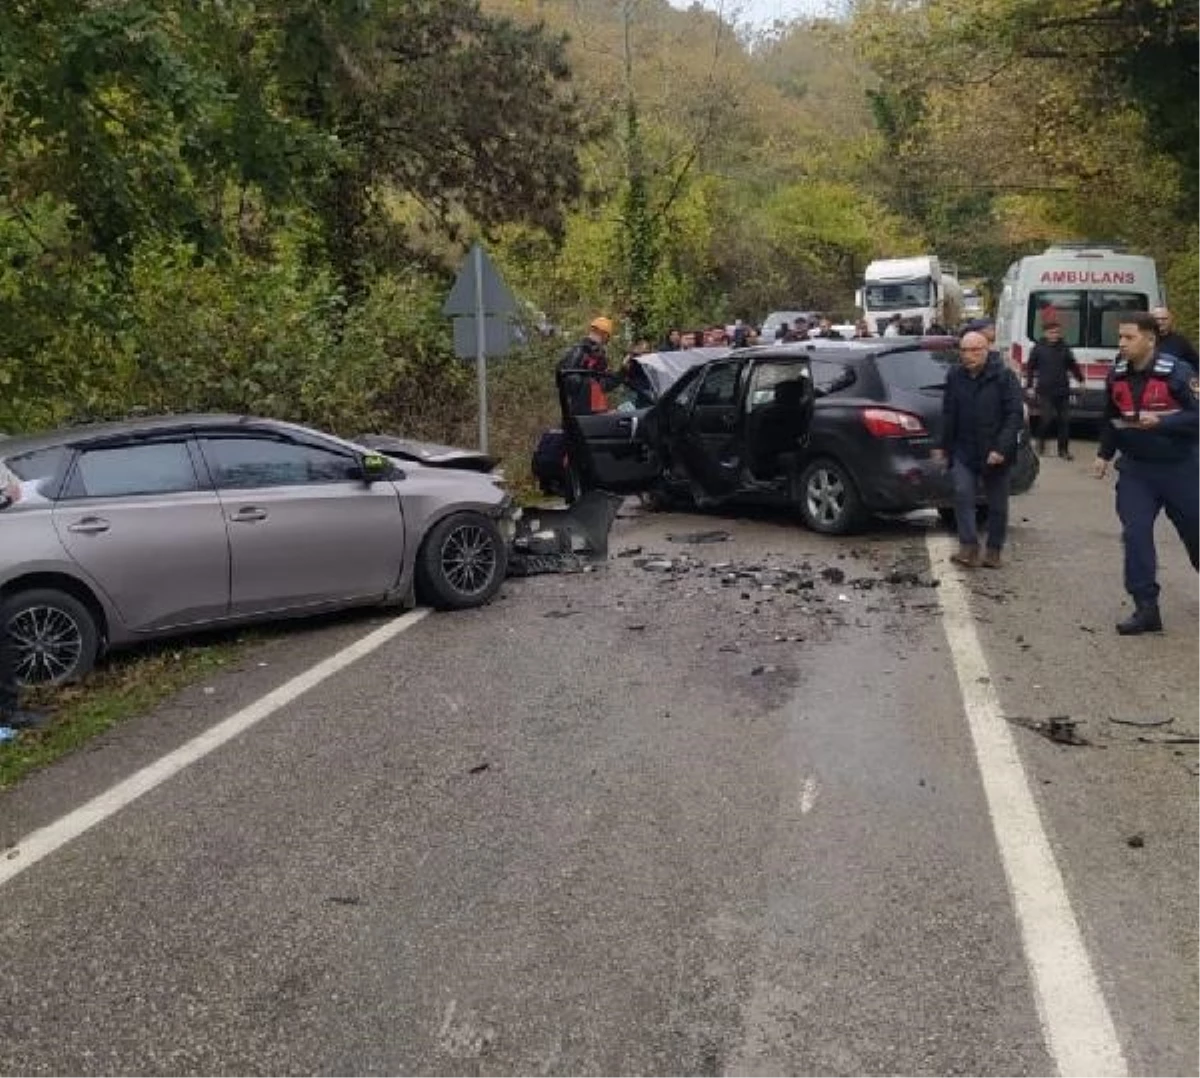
(1088,288)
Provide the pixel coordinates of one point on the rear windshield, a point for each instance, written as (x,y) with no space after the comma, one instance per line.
(1089,318)
(915,370)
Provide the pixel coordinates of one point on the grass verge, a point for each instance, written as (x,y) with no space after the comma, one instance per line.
(124,686)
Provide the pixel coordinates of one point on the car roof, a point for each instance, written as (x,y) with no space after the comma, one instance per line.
(145,426)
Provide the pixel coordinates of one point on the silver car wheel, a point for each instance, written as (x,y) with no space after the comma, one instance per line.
(826,496)
(48,644)
(469,559)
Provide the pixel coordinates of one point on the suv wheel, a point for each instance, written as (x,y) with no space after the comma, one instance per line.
(828,499)
(54,635)
(462,562)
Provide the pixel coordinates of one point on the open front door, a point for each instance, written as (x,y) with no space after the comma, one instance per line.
(704,429)
(609,450)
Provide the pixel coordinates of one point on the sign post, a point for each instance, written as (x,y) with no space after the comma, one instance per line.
(480,295)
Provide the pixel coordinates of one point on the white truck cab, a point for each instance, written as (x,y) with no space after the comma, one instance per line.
(1088,287)
(923,291)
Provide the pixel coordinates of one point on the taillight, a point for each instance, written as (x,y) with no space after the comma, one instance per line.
(888,423)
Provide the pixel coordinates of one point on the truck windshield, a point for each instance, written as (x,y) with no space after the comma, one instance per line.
(1089,318)
(896,297)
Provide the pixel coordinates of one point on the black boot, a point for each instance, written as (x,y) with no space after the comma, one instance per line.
(1144,619)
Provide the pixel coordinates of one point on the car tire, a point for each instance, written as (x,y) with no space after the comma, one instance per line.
(828,500)
(55,635)
(461,563)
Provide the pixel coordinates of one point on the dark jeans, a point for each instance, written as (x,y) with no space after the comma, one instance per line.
(1055,411)
(1144,488)
(8,668)
(967,481)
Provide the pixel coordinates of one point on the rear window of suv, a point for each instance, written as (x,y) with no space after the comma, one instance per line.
(915,370)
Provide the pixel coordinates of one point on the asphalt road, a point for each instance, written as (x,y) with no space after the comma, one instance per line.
(716,807)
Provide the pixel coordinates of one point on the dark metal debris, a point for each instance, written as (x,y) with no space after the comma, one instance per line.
(700,537)
(1142,720)
(479,768)
(1061,729)
(561,613)
(1135,841)
(564,540)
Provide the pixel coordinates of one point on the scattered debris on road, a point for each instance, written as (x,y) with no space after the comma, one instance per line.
(1135,842)
(700,537)
(568,540)
(1061,729)
(1142,720)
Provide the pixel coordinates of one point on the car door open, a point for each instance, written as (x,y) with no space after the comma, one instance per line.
(608,450)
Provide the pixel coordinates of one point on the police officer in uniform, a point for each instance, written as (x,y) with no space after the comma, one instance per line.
(1151,418)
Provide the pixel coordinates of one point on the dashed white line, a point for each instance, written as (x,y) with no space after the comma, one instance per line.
(41,843)
(1075,1019)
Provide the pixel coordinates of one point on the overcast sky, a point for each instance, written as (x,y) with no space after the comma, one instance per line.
(762,13)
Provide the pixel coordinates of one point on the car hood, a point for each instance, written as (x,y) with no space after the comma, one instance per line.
(429,454)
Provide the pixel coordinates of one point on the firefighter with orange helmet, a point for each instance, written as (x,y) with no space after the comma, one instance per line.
(585,394)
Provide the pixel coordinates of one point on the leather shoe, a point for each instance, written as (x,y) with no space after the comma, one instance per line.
(967,557)
(1144,619)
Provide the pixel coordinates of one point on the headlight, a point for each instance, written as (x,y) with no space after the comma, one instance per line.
(510,513)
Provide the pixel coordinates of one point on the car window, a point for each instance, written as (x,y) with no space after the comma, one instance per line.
(719,385)
(767,376)
(915,370)
(246,463)
(830,376)
(38,464)
(120,471)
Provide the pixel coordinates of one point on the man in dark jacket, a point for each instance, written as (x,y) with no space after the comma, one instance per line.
(1051,365)
(982,415)
(1170,341)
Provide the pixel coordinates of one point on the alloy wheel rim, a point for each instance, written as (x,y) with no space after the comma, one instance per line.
(48,643)
(826,496)
(469,559)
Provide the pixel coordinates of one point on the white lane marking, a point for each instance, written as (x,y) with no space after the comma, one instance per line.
(43,842)
(808,796)
(1076,1023)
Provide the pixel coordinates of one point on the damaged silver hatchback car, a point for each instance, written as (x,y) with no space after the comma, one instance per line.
(134,530)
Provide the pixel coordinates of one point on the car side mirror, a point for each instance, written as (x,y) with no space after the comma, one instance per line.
(375,466)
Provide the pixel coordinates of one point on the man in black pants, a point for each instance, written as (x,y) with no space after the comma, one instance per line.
(10,712)
(1050,364)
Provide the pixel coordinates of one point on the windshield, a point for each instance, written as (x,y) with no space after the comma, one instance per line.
(896,297)
(1089,318)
